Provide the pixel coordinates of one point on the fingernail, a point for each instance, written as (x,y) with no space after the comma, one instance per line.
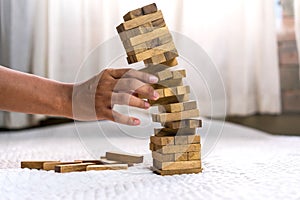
(136,122)
(147,105)
(153,79)
(155,95)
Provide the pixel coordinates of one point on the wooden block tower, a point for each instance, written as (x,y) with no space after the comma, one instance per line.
(176,148)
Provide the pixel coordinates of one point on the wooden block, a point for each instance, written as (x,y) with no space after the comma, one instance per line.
(97,162)
(155,60)
(174,148)
(177,171)
(171,54)
(169,100)
(170,157)
(152,44)
(165,38)
(51,165)
(178,107)
(183,90)
(160,132)
(162,140)
(187,123)
(153,69)
(72,167)
(163,75)
(126,158)
(181,156)
(179,74)
(168,83)
(34,164)
(153,52)
(163,59)
(133,23)
(106,167)
(176,91)
(159,23)
(106,161)
(168,117)
(193,155)
(194,139)
(177,165)
(181,140)
(151,8)
(133,14)
(170,91)
(171,63)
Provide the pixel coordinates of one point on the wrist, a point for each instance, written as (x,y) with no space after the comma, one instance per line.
(65,102)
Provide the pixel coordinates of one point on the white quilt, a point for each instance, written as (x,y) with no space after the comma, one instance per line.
(245,164)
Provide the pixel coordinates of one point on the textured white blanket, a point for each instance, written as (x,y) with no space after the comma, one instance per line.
(245,164)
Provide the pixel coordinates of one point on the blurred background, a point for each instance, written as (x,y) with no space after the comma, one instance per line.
(252,42)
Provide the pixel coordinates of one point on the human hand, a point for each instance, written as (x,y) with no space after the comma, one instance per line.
(94,99)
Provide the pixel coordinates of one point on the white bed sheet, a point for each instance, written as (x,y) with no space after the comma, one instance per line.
(245,164)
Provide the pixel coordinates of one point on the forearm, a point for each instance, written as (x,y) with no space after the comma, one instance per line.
(21,92)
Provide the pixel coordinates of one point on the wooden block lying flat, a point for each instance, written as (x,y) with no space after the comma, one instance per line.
(178,171)
(106,161)
(34,164)
(168,117)
(194,155)
(170,157)
(168,100)
(51,165)
(106,167)
(182,131)
(178,107)
(187,123)
(97,162)
(174,148)
(162,140)
(133,14)
(177,165)
(168,83)
(126,158)
(130,24)
(151,8)
(72,167)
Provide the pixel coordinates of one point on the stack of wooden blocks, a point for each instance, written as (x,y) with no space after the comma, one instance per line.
(176,148)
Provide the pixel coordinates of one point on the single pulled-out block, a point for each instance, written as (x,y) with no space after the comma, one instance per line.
(178,107)
(177,171)
(187,123)
(34,164)
(174,148)
(168,117)
(106,167)
(72,167)
(51,165)
(125,158)
(193,164)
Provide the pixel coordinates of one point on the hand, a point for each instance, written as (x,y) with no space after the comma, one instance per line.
(95,98)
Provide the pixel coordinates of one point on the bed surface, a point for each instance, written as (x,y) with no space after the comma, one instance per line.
(245,164)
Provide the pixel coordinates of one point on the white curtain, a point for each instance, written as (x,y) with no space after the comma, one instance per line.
(297,26)
(51,38)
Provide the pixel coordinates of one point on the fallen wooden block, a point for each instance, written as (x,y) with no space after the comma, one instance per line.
(168,117)
(51,165)
(177,171)
(174,148)
(186,123)
(106,167)
(105,161)
(177,165)
(35,164)
(178,107)
(169,100)
(126,158)
(72,167)
(170,157)
(133,23)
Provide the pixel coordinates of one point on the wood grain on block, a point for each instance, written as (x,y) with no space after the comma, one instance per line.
(182,131)
(181,140)
(177,107)
(174,148)
(187,123)
(177,171)
(156,33)
(168,100)
(126,158)
(179,74)
(168,117)
(164,75)
(126,35)
(171,63)
(165,38)
(133,14)
(154,52)
(51,165)
(133,23)
(168,83)
(194,139)
(177,165)
(176,90)
(35,164)
(152,43)
(155,60)
(148,9)
(162,140)
(136,49)
(194,155)
(169,55)
(159,23)
(72,167)
(189,139)
(106,167)
(170,157)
